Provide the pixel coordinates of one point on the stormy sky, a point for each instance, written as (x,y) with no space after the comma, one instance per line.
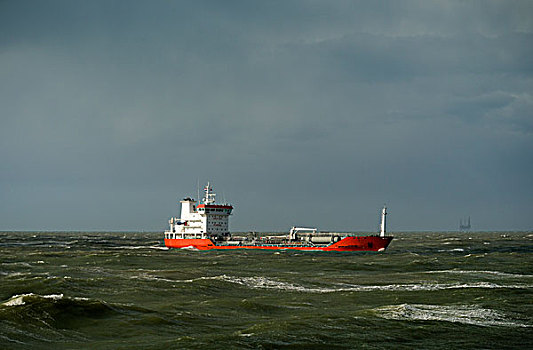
(299,113)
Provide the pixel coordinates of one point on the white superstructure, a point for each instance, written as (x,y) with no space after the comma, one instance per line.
(206,220)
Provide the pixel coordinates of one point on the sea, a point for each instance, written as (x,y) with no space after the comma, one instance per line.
(118,290)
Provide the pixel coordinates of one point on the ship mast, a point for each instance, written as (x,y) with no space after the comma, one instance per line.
(209,197)
(383,221)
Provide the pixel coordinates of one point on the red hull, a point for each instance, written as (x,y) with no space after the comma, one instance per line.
(348,244)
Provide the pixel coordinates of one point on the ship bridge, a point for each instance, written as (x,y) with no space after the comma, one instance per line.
(205,219)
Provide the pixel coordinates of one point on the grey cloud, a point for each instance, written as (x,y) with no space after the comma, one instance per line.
(299,112)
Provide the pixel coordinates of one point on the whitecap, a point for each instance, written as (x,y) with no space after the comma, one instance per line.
(21,263)
(240,334)
(18,299)
(15,300)
(481,272)
(159,247)
(153,278)
(465,314)
(259,282)
(53,296)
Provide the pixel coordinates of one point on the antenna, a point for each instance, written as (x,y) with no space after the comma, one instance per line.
(198,190)
(209,196)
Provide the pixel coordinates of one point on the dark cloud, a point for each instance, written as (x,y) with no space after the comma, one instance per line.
(311,113)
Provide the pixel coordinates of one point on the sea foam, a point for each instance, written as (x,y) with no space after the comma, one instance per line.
(260,282)
(465,314)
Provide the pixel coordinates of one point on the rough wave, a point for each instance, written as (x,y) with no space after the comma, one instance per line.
(137,247)
(259,282)
(21,299)
(45,319)
(481,272)
(59,308)
(465,314)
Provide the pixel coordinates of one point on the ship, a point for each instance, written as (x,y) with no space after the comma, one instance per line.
(205,226)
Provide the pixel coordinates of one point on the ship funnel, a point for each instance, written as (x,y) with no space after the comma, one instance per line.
(383,226)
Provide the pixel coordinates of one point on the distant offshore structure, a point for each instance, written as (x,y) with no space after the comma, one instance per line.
(464,225)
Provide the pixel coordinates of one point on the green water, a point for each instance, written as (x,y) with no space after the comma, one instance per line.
(126,291)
